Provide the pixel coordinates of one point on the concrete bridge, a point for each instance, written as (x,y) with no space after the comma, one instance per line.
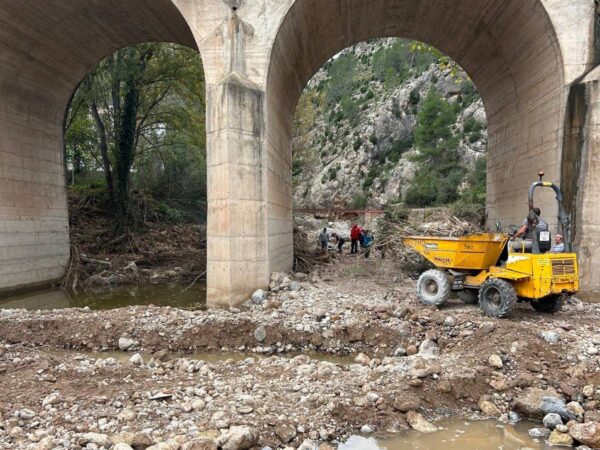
(533,62)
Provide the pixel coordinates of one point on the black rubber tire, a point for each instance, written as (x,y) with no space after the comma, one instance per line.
(468,296)
(549,304)
(433,287)
(497,297)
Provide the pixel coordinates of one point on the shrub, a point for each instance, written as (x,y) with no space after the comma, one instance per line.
(475,136)
(333,171)
(414,97)
(359,201)
(297,166)
(374,171)
(357,143)
(399,147)
(171,214)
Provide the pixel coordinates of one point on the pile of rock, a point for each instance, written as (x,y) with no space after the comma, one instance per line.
(564,423)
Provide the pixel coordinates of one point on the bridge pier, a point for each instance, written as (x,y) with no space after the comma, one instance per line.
(237,240)
(581,166)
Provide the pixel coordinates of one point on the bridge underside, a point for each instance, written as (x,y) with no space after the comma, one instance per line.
(508,48)
(46,49)
(258,56)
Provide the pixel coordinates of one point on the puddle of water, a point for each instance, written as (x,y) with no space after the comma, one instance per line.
(210,357)
(455,434)
(158,295)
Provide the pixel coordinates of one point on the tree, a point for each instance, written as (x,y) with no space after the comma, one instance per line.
(132,106)
(439,173)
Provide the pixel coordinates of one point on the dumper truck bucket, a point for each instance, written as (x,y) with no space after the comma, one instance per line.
(471,252)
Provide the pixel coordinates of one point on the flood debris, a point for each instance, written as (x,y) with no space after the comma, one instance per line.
(408,365)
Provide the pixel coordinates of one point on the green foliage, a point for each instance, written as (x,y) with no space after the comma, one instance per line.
(393,65)
(138,118)
(357,143)
(433,135)
(475,136)
(476,180)
(170,214)
(374,171)
(440,173)
(414,97)
(359,201)
(349,108)
(341,82)
(472,129)
(399,147)
(333,171)
(297,166)
(469,93)
(471,124)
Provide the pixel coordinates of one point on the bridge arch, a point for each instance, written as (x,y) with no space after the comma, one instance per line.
(46,49)
(509,48)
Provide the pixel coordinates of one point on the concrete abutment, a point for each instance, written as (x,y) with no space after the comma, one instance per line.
(258,55)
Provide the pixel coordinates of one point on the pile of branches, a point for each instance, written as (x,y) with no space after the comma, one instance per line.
(440,223)
(306,253)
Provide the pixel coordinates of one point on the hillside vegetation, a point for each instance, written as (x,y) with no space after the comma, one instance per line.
(389,121)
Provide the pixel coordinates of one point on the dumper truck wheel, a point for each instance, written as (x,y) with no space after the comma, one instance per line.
(433,287)
(497,297)
(551,304)
(468,296)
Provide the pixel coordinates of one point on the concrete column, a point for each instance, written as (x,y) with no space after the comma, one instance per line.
(34,225)
(237,213)
(583,158)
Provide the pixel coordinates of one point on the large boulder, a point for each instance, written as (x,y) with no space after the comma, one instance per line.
(286,432)
(418,423)
(238,438)
(529,403)
(429,349)
(259,296)
(555,405)
(587,433)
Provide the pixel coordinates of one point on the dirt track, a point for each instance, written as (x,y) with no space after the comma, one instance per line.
(414,358)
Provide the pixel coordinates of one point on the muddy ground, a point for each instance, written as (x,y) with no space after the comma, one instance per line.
(155,250)
(409,360)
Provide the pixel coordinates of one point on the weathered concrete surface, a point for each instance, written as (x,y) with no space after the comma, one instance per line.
(46,48)
(585,141)
(258,55)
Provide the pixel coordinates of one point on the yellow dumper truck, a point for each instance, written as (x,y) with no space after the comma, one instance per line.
(483,268)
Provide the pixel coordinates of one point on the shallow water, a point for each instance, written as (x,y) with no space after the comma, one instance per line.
(159,295)
(455,434)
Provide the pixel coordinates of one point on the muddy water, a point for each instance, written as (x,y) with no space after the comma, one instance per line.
(210,357)
(455,434)
(173,295)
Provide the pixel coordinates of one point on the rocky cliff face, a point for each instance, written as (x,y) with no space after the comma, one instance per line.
(355,124)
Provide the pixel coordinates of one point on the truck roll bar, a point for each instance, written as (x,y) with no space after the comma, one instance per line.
(563,217)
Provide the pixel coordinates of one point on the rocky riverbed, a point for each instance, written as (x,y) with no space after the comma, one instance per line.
(412,365)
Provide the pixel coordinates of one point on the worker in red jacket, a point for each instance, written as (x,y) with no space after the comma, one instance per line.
(355,234)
